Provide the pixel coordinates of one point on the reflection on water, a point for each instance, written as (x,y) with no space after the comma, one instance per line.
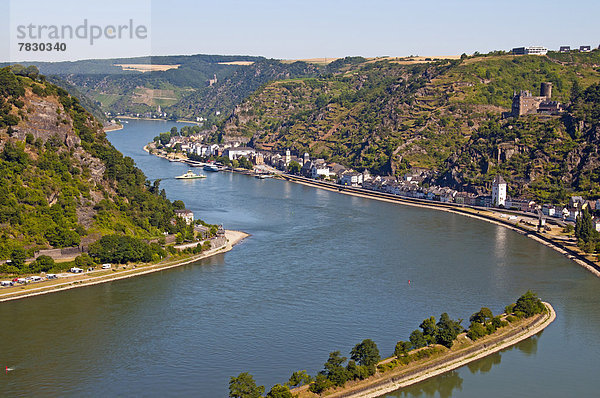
(442,386)
(484,365)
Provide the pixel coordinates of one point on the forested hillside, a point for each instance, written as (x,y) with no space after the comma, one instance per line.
(445,116)
(61,182)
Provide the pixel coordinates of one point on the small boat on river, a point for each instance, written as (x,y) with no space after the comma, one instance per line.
(190,175)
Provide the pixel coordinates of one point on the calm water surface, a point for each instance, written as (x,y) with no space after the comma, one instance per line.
(321,272)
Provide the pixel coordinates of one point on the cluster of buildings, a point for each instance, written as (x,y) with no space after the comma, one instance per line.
(540,50)
(524,103)
(409,185)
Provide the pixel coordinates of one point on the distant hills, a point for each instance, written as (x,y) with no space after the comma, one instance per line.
(386,115)
(445,116)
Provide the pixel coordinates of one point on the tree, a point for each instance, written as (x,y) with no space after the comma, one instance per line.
(279,391)
(584,228)
(335,370)
(482,316)
(529,304)
(447,330)
(476,331)
(18,257)
(366,353)
(429,329)
(294,167)
(299,378)
(320,384)
(417,339)
(402,348)
(174,131)
(42,264)
(244,386)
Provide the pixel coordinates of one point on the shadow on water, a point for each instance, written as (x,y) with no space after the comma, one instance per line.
(444,385)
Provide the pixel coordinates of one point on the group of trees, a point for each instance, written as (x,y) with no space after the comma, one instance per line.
(443,332)
(123,249)
(363,361)
(587,237)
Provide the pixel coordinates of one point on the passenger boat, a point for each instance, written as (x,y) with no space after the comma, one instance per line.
(190,175)
(211,167)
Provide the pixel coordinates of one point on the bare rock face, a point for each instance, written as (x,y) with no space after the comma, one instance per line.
(45,119)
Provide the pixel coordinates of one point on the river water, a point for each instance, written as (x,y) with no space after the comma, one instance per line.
(320,272)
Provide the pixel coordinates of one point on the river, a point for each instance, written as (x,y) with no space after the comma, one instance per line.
(320,272)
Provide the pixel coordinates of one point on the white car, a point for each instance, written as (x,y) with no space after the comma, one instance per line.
(76,270)
(106,266)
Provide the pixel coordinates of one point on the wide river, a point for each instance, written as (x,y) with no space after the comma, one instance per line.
(320,272)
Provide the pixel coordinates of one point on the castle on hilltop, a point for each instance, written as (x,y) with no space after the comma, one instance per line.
(525,104)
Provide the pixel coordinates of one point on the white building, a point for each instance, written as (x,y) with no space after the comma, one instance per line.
(319,170)
(288,157)
(498,191)
(187,215)
(235,153)
(351,178)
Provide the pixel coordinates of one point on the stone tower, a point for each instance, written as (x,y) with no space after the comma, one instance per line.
(498,191)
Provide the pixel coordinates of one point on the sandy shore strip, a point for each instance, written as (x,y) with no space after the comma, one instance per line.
(113,127)
(467,212)
(76,281)
(394,380)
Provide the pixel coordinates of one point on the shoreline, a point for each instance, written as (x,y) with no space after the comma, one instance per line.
(233,238)
(112,127)
(464,211)
(158,120)
(396,380)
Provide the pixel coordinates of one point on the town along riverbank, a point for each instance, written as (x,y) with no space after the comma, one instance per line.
(71,281)
(443,360)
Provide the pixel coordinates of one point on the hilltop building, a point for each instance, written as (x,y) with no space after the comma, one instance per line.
(498,191)
(526,104)
(532,50)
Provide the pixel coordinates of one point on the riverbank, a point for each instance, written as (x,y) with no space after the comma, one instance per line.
(112,127)
(158,120)
(489,215)
(81,280)
(382,383)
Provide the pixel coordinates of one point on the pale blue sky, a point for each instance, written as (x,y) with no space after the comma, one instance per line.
(314,29)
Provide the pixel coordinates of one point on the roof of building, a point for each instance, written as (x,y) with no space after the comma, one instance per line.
(499,180)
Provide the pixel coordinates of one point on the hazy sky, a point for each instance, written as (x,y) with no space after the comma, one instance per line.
(307,28)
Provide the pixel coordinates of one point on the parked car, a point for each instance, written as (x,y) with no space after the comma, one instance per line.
(6,283)
(36,278)
(76,270)
(22,280)
(51,276)
(106,266)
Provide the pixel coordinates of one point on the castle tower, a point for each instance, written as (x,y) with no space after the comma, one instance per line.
(288,157)
(498,191)
(306,157)
(546,90)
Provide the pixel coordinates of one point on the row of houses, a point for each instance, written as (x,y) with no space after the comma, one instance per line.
(540,50)
(408,185)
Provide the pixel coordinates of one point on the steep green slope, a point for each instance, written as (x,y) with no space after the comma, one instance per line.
(387,117)
(61,182)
